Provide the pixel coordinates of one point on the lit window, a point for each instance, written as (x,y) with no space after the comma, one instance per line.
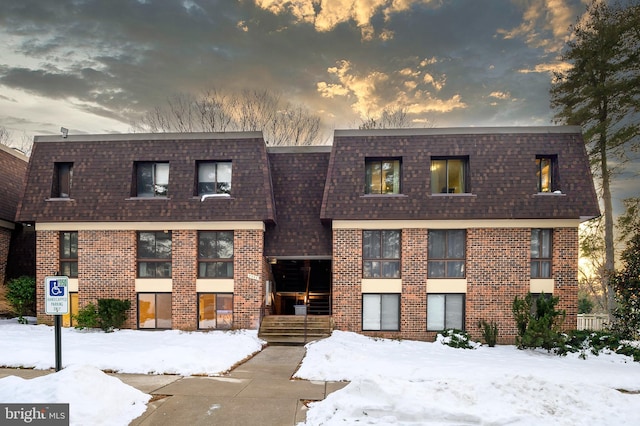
(214,177)
(541,253)
(381,254)
(448,176)
(62,179)
(545,173)
(381,312)
(382,177)
(154,254)
(445,311)
(69,254)
(215,311)
(154,310)
(215,254)
(446,253)
(152,180)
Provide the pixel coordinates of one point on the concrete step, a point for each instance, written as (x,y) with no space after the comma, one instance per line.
(292,330)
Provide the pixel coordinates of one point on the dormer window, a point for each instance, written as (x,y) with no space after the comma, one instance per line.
(546,176)
(214,177)
(448,175)
(382,176)
(152,180)
(62,178)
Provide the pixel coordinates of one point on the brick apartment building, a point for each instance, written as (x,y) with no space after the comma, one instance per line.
(16,247)
(396,233)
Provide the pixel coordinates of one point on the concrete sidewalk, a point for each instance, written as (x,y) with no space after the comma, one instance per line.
(258,392)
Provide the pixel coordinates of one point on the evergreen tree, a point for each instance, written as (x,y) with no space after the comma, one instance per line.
(601,93)
(626,283)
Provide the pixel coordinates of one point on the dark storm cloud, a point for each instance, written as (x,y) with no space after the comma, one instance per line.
(127,56)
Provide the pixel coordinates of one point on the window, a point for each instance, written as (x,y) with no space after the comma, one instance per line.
(154,254)
(448,176)
(445,311)
(215,310)
(154,310)
(541,253)
(381,254)
(382,176)
(446,253)
(381,312)
(546,173)
(215,254)
(69,254)
(152,180)
(534,301)
(214,177)
(63,176)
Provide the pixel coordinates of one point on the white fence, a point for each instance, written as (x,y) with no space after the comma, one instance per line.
(593,322)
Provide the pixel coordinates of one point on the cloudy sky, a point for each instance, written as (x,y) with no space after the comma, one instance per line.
(93,65)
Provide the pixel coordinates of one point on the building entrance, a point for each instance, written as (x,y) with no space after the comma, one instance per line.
(301,282)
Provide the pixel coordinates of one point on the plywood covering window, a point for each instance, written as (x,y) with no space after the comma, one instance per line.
(381,254)
(154,310)
(214,177)
(449,175)
(152,180)
(215,311)
(215,254)
(69,254)
(446,253)
(541,253)
(382,176)
(154,254)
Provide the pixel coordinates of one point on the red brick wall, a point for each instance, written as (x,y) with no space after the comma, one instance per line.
(347,278)
(5,241)
(497,270)
(47,249)
(248,295)
(107,268)
(565,273)
(184,300)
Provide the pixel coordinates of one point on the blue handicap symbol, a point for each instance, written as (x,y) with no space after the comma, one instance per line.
(55,289)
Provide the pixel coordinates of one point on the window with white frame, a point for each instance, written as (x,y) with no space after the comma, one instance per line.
(381,312)
(445,311)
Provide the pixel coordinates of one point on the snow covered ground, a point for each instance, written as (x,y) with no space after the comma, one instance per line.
(392,382)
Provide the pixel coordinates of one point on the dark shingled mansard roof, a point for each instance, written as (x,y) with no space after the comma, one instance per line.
(501,180)
(103,174)
(13,168)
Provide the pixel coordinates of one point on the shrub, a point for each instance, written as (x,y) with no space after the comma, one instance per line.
(112,313)
(455,339)
(594,342)
(21,294)
(87,317)
(541,324)
(489,332)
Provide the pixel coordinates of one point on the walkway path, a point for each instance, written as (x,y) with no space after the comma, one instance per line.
(258,392)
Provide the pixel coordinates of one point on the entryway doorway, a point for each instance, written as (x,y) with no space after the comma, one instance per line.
(301,282)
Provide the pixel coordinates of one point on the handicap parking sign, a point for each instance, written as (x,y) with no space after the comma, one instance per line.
(56,295)
(55,289)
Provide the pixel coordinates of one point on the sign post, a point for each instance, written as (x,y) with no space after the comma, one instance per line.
(56,303)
